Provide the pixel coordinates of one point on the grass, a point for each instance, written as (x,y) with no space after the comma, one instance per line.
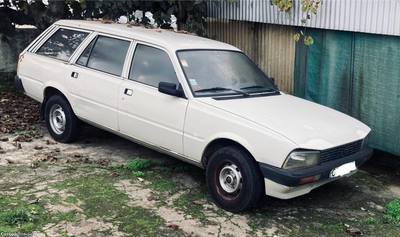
(138,174)
(95,194)
(138,165)
(393,212)
(16,217)
(99,198)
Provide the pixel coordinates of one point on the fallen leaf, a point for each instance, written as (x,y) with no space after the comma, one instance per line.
(106,21)
(51,142)
(10,161)
(86,161)
(42,158)
(173,226)
(17,145)
(158,30)
(353,231)
(113,175)
(34,201)
(64,162)
(103,162)
(16,138)
(53,160)
(46,157)
(75,154)
(140,179)
(198,202)
(340,213)
(152,198)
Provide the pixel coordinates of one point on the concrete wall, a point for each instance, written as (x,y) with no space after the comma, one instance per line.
(10,49)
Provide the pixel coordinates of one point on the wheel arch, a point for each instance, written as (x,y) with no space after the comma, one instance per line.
(49,92)
(217,144)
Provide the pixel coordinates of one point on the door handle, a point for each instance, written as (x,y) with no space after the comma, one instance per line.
(74,74)
(128,92)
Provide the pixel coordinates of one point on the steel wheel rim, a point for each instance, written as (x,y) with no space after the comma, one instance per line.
(229,181)
(57,119)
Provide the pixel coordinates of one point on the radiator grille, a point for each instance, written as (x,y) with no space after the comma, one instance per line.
(340,151)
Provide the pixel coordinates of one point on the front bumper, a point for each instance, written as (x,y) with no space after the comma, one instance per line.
(18,84)
(292,178)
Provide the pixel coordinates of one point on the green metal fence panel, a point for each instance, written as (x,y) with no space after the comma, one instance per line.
(376,88)
(357,74)
(323,70)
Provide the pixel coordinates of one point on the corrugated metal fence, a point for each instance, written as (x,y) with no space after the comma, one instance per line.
(367,16)
(272,47)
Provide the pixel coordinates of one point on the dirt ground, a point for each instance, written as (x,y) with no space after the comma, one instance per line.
(83,189)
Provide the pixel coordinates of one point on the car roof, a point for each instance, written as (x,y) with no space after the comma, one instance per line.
(167,39)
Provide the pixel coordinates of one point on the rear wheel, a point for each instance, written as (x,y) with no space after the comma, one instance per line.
(234,179)
(61,121)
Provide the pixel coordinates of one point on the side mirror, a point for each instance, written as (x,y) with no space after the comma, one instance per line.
(170,89)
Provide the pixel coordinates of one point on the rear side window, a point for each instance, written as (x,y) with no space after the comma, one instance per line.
(105,54)
(62,44)
(151,66)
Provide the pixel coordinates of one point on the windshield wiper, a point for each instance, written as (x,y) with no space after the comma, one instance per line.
(250,87)
(257,86)
(222,89)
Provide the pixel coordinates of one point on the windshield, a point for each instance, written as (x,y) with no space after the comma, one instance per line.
(213,72)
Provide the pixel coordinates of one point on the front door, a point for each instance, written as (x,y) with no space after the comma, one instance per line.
(143,112)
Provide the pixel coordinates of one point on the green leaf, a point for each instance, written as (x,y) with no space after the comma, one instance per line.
(197,2)
(297,37)
(308,40)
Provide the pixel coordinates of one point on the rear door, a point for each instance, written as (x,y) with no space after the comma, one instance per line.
(145,113)
(94,80)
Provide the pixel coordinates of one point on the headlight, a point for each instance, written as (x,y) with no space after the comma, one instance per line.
(301,159)
(365,141)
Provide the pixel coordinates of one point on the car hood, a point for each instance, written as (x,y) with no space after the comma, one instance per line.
(309,125)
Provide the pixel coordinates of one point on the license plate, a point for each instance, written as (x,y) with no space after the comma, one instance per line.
(343,170)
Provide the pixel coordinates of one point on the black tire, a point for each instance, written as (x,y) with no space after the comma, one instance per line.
(243,181)
(61,121)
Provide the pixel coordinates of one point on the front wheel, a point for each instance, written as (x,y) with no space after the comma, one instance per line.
(234,179)
(61,121)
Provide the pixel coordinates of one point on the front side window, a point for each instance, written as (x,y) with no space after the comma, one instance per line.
(105,54)
(151,66)
(219,72)
(62,44)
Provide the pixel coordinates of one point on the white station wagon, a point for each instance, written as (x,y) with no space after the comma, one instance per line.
(196,99)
